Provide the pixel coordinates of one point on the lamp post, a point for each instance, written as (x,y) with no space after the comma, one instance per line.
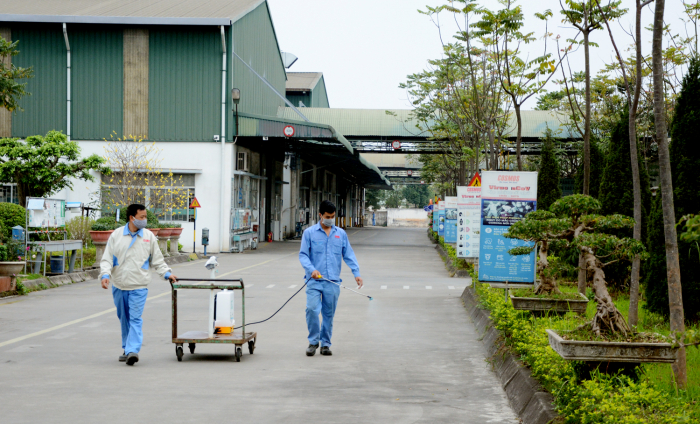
(236,97)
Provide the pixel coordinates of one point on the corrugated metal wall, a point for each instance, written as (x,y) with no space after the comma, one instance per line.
(184,84)
(6,115)
(319,97)
(41,47)
(254,41)
(136,82)
(97,76)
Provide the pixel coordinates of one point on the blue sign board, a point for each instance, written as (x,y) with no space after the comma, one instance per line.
(441,222)
(451,225)
(435,221)
(505,199)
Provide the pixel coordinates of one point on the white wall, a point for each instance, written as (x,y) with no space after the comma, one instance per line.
(406,218)
(182,155)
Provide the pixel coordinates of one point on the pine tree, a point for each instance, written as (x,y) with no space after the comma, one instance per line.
(685,168)
(548,186)
(597,166)
(615,192)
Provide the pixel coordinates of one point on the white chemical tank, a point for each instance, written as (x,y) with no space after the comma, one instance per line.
(223,315)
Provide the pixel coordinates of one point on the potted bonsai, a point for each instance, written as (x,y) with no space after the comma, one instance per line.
(545,229)
(607,337)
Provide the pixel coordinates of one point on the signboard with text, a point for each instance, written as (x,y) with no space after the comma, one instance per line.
(441,218)
(451,219)
(506,197)
(468,221)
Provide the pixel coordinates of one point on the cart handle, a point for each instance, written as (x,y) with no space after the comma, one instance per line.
(236,280)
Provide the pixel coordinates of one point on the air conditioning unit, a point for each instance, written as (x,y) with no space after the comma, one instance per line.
(242,163)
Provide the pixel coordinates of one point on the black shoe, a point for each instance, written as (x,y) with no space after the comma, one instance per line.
(122,357)
(326,351)
(311,350)
(132,358)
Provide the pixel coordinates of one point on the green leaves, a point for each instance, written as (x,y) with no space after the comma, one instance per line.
(41,165)
(575,206)
(10,89)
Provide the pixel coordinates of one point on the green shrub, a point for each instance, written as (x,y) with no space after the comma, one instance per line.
(11,215)
(602,399)
(78,228)
(3,253)
(106,223)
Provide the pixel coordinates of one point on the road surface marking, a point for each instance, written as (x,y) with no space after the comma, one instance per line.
(428,287)
(270,286)
(106,311)
(292,286)
(383,287)
(249,286)
(93,324)
(405,287)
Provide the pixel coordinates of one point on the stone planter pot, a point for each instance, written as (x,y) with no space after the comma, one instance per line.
(543,305)
(176,232)
(8,269)
(164,232)
(7,284)
(596,351)
(100,236)
(155,231)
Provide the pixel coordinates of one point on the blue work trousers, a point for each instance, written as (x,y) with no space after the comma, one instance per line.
(321,298)
(130,305)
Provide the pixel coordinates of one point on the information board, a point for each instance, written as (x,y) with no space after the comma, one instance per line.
(46,213)
(506,197)
(441,218)
(451,219)
(468,221)
(436,221)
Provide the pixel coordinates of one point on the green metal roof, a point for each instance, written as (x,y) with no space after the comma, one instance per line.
(377,123)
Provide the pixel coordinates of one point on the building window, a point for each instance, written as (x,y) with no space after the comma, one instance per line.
(8,193)
(169,198)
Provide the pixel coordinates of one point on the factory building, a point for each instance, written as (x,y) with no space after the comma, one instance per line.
(202,80)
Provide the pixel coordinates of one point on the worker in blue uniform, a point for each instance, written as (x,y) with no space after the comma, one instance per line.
(323,247)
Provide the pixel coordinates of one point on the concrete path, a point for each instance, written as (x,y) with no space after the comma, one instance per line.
(409,356)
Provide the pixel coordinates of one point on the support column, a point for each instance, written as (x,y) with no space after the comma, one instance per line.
(269,190)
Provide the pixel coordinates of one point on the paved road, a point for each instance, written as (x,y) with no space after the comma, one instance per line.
(409,356)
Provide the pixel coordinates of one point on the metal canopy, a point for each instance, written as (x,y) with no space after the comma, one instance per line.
(317,143)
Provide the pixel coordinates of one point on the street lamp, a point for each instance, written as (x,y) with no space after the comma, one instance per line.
(236,97)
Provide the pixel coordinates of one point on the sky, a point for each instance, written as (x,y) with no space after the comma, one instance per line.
(366,48)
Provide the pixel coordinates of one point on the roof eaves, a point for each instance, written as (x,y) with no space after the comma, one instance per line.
(118,20)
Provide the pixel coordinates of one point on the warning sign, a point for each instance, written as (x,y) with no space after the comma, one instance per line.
(195,204)
(475,181)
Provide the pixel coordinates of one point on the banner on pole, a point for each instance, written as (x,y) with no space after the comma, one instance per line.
(469,221)
(506,197)
(451,219)
(441,218)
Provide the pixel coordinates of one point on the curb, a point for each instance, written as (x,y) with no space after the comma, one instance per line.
(454,272)
(526,396)
(91,274)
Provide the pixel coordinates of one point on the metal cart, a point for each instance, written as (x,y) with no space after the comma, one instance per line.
(194,337)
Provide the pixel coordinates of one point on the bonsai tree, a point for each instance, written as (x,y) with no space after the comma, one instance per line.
(573,221)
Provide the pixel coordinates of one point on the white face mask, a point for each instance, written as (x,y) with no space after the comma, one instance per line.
(328,222)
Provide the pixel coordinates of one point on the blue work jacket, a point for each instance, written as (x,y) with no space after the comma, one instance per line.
(325,253)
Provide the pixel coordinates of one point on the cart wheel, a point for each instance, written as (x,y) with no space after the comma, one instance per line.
(251,346)
(191,346)
(239,353)
(178,352)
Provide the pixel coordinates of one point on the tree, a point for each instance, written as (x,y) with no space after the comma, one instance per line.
(11,90)
(374,198)
(597,166)
(520,79)
(137,177)
(548,187)
(587,16)
(574,222)
(41,165)
(395,198)
(417,194)
(616,186)
(675,290)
